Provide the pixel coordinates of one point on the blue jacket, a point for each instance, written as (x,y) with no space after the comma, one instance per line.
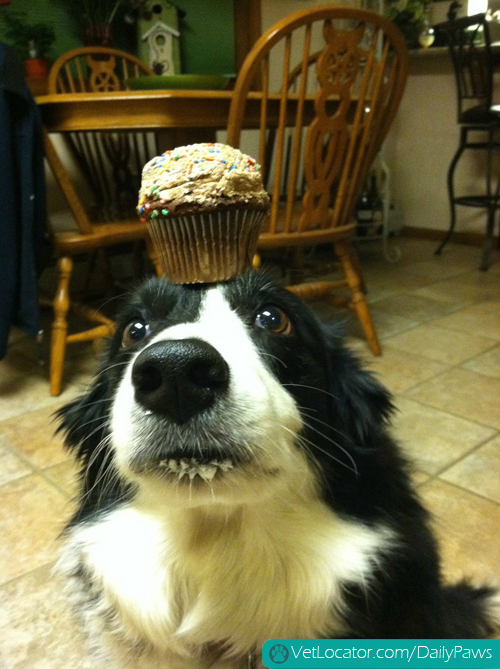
(23,240)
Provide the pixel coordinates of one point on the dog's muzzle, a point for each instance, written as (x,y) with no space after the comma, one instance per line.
(179,378)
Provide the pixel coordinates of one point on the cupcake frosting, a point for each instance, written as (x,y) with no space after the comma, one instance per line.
(200,177)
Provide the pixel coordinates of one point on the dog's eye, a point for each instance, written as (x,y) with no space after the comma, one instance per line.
(273,319)
(134,332)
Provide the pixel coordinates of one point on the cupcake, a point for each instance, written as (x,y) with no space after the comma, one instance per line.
(204,205)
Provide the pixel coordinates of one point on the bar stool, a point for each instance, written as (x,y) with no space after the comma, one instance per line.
(473,65)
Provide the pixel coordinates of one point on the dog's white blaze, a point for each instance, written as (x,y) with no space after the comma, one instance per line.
(267,417)
(187,577)
(239,565)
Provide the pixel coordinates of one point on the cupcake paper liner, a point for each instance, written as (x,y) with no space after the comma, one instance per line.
(205,248)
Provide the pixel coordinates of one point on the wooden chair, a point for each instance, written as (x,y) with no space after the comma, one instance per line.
(94,69)
(361,63)
(111,165)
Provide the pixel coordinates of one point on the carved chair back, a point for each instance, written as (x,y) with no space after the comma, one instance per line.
(94,69)
(352,70)
(109,162)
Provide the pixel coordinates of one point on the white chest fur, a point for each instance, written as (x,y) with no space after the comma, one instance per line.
(188,577)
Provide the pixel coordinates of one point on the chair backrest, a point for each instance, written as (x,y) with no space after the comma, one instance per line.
(359,61)
(468,39)
(94,69)
(109,162)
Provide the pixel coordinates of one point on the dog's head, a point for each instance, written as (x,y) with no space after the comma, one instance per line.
(223,394)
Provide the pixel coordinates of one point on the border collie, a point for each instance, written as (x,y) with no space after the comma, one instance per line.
(239,484)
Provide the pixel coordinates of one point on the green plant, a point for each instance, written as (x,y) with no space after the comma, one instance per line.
(96,11)
(403,12)
(27,38)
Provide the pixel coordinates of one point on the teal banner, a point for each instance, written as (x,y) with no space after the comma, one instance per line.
(381,653)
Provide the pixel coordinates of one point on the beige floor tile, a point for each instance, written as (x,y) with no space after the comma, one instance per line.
(11,467)
(457,291)
(359,346)
(33,514)
(487,363)
(79,359)
(479,471)
(33,435)
(419,478)
(415,307)
(432,292)
(434,270)
(37,629)
(378,291)
(393,277)
(433,439)
(483,318)
(449,347)
(400,371)
(453,254)
(386,324)
(23,386)
(65,476)
(413,249)
(464,393)
(467,530)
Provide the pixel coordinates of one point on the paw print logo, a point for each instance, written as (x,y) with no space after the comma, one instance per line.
(279,653)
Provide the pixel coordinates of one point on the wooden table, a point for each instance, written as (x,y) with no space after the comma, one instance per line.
(157,109)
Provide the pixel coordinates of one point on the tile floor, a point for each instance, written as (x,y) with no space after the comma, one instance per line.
(439,323)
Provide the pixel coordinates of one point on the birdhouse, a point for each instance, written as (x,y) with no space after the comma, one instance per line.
(158,34)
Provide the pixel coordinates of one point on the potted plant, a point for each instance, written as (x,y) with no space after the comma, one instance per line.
(409,16)
(31,41)
(96,17)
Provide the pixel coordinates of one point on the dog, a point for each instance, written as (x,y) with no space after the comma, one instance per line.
(239,483)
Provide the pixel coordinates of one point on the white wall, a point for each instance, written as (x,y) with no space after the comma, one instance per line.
(421,145)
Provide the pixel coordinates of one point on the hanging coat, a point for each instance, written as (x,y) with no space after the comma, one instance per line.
(24,245)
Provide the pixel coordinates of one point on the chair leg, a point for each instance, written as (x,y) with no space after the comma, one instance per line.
(358,299)
(358,270)
(451,193)
(60,325)
(488,240)
(492,201)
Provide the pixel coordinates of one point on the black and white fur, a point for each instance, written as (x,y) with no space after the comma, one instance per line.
(303,522)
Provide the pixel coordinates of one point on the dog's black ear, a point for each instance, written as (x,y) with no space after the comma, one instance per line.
(363,403)
(84,421)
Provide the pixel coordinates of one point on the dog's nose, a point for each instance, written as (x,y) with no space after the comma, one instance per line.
(179,377)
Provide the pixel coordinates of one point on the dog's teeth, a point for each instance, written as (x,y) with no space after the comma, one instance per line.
(192,468)
(207,472)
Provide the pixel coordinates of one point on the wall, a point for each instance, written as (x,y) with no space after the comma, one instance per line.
(207,42)
(207,31)
(53,13)
(421,145)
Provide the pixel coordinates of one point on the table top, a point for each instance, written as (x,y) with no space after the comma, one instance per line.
(158,109)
